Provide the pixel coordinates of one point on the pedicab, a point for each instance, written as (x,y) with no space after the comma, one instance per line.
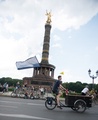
(78,103)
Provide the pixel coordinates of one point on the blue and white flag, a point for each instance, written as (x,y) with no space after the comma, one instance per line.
(29,63)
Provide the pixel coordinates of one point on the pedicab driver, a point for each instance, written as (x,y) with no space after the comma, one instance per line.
(57,89)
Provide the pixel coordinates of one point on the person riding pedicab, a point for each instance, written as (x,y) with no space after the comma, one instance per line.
(57,89)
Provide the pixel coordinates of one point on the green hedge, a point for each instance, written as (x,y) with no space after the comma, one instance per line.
(11,89)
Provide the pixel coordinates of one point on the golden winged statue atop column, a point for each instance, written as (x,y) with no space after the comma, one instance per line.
(48,14)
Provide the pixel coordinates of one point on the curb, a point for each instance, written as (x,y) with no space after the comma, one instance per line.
(8,94)
(5,94)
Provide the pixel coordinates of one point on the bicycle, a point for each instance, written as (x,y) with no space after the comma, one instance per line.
(95,98)
(18,92)
(51,102)
(14,93)
(78,103)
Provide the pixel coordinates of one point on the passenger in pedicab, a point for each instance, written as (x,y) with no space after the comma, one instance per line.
(57,89)
(85,91)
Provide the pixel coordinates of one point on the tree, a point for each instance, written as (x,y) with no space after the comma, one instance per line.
(10,81)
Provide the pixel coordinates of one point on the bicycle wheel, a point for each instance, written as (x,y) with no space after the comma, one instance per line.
(32,97)
(95,101)
(50,103)
(80,106)
(21,95)
(13,94)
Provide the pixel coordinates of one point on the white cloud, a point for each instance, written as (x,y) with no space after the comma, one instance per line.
(74,13)
(22,27)
(56,45)
(56,38)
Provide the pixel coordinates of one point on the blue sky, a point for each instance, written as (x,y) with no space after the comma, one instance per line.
(73,41)
(79,52)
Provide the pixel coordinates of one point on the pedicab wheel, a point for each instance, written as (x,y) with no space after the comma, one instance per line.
(73,108)
(50,103)
(80,106)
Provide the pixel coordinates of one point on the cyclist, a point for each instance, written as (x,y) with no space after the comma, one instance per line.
(57,89)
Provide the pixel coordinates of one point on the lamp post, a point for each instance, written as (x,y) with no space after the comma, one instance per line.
(93,77)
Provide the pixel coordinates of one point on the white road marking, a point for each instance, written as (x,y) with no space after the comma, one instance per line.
(22,103)
(23,116)
(10,102)
(34,104)
(8,106)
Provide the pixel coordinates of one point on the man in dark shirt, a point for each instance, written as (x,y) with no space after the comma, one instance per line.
(57,89)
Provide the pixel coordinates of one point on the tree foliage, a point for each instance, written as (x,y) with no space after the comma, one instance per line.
(10,81)
(73,86)
(78,86)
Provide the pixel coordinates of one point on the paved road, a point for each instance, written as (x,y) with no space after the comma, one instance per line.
(25,109)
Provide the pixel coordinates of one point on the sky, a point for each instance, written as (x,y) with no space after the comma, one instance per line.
(73,38)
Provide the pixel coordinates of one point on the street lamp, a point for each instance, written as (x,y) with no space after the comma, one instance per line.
(93,77)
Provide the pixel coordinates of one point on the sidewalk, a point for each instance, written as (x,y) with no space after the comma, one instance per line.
(8,94)
(5,93)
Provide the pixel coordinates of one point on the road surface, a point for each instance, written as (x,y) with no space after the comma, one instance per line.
(26,109)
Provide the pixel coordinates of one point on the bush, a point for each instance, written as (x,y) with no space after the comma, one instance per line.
(11,89)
